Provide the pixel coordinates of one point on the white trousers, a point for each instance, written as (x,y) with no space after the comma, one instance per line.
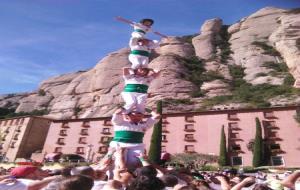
(134,100)
(138,61)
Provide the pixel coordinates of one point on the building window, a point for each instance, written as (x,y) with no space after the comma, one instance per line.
(63,132)
(233,125)
(164,120)
(103,149)
(189,137)
(189,128)
(82,140)
(16,136)
(232,116)
(22,121)
(269,124)
(5,123)
(61,141)
(163,149)
(6,130)
(3,137)
(58,150)
(80,150)
(236,160)
(17,121)
(86,124)
(275,148)
(277,160)
(165,129)
(65,125)
(189,119)
(105,140)
(18,129)
(234,136)
(164,138)
(11,122)
(236,148)
(189,148)
(106,131)
(269,114)
(12,144)
(107,123)
(84,132)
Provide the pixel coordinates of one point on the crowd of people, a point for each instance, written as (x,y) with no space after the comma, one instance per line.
(147,176)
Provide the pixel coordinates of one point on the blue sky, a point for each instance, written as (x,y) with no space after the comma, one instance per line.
(44,38)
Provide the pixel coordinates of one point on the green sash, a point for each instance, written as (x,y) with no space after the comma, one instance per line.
(140,52)
(139,30)
(139,88)
(128,136)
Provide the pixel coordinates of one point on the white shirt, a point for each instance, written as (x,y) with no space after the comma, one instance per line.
(134,79)
(134,45)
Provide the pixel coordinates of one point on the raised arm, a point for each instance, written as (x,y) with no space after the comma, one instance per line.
(117,117)
(118,18)
(126,71)
(289,181)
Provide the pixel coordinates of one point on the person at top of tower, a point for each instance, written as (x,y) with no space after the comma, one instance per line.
(140,51)
(129,133)
(136,85)
(139,29)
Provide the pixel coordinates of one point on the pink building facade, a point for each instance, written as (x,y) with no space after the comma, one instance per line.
(191,132)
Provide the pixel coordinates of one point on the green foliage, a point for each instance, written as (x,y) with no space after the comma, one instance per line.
(255,95)
(212,75)
(188,38)
(278,67)
(9,113)
(196,160)
(224,44)
(195,69)
(268,50)
(41,92)
(155,146)
(76,110)
(258,146)
(223,150)
(289,80)
(261,75)
(171,101)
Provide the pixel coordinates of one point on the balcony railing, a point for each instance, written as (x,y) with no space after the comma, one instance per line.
(189,139)
(84,133)
(189,130)
(63,134)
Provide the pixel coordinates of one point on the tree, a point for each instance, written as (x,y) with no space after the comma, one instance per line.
(258,146)
(223,151)
(155,146)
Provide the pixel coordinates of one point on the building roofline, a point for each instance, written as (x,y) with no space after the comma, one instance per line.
(242,110)
(28,116)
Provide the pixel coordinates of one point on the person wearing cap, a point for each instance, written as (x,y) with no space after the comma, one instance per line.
(136,85)
(140,51)
(141,28)
(129,133)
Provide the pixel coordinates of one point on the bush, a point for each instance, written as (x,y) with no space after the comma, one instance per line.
(278,67)
(289,80)
(268,50)
(41,92)
(171,101)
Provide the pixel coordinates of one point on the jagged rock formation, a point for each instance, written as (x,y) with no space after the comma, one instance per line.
(187,83)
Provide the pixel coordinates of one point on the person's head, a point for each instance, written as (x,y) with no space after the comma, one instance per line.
(149,171)
(29,172)
(83,170)
(147,22)
(146,183)
(261,187)
(143,72)
(169,180)
(76,182)
(188,187)
(112,185)
(143,41)
(135,116)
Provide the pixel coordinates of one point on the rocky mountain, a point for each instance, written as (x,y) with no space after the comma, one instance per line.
(255,62)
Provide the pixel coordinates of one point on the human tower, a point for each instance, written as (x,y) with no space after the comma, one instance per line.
(128,121)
